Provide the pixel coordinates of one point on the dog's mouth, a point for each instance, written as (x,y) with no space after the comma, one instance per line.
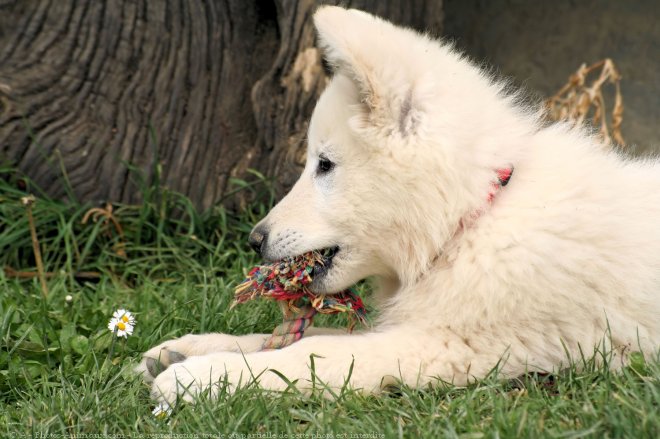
(322,267)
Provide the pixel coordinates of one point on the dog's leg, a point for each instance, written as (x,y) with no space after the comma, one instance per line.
(160,357)
(376,359)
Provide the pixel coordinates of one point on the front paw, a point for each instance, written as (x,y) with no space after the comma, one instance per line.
(176,381)
(159,358)
(188,379)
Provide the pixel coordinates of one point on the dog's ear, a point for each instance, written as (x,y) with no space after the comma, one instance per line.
(374,54)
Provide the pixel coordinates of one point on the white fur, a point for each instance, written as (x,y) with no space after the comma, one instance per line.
(565,258)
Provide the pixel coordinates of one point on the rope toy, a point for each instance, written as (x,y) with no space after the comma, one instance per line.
(286,282)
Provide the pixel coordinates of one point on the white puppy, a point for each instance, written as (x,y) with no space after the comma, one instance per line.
(405,147)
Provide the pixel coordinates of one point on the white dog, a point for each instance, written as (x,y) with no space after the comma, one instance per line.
(406,146)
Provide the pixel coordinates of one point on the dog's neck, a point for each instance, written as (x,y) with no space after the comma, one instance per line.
(471,218)
(388,287)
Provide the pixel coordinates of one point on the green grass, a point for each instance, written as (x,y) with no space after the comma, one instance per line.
(57,376)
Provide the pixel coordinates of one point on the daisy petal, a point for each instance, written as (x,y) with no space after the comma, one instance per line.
(112,324)
(119,313)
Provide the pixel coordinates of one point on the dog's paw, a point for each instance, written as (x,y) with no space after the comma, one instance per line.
(186,380)
(175,382)
(159,358)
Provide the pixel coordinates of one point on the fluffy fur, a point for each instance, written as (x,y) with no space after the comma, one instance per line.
(565,259)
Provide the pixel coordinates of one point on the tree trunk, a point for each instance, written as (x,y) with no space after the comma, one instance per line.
(198,91)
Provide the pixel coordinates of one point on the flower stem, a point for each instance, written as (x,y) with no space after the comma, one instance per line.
(112,346)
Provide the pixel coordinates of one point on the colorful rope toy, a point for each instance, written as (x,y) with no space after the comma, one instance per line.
(287,281)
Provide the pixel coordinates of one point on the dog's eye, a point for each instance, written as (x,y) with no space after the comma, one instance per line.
(325,165)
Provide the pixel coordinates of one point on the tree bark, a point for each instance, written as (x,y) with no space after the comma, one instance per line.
(193,91)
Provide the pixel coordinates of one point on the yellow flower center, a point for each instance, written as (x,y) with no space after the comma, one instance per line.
(121,325)
(124,318)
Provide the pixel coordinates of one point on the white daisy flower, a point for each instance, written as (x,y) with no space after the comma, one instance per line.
(125,316)
(162,410)
(122,323)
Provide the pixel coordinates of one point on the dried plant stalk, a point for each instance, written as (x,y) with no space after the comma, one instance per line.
(28,202)
(108,217)
(11,272)
(579,100)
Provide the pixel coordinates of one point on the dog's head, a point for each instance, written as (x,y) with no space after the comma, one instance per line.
(390,163)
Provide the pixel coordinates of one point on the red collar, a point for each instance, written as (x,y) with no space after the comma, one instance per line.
(503,177)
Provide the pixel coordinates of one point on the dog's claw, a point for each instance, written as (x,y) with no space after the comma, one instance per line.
(175,357)
(154,366)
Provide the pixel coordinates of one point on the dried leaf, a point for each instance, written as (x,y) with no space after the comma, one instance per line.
(581,99)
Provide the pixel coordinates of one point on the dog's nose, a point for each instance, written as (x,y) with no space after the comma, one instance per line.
(257,238)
